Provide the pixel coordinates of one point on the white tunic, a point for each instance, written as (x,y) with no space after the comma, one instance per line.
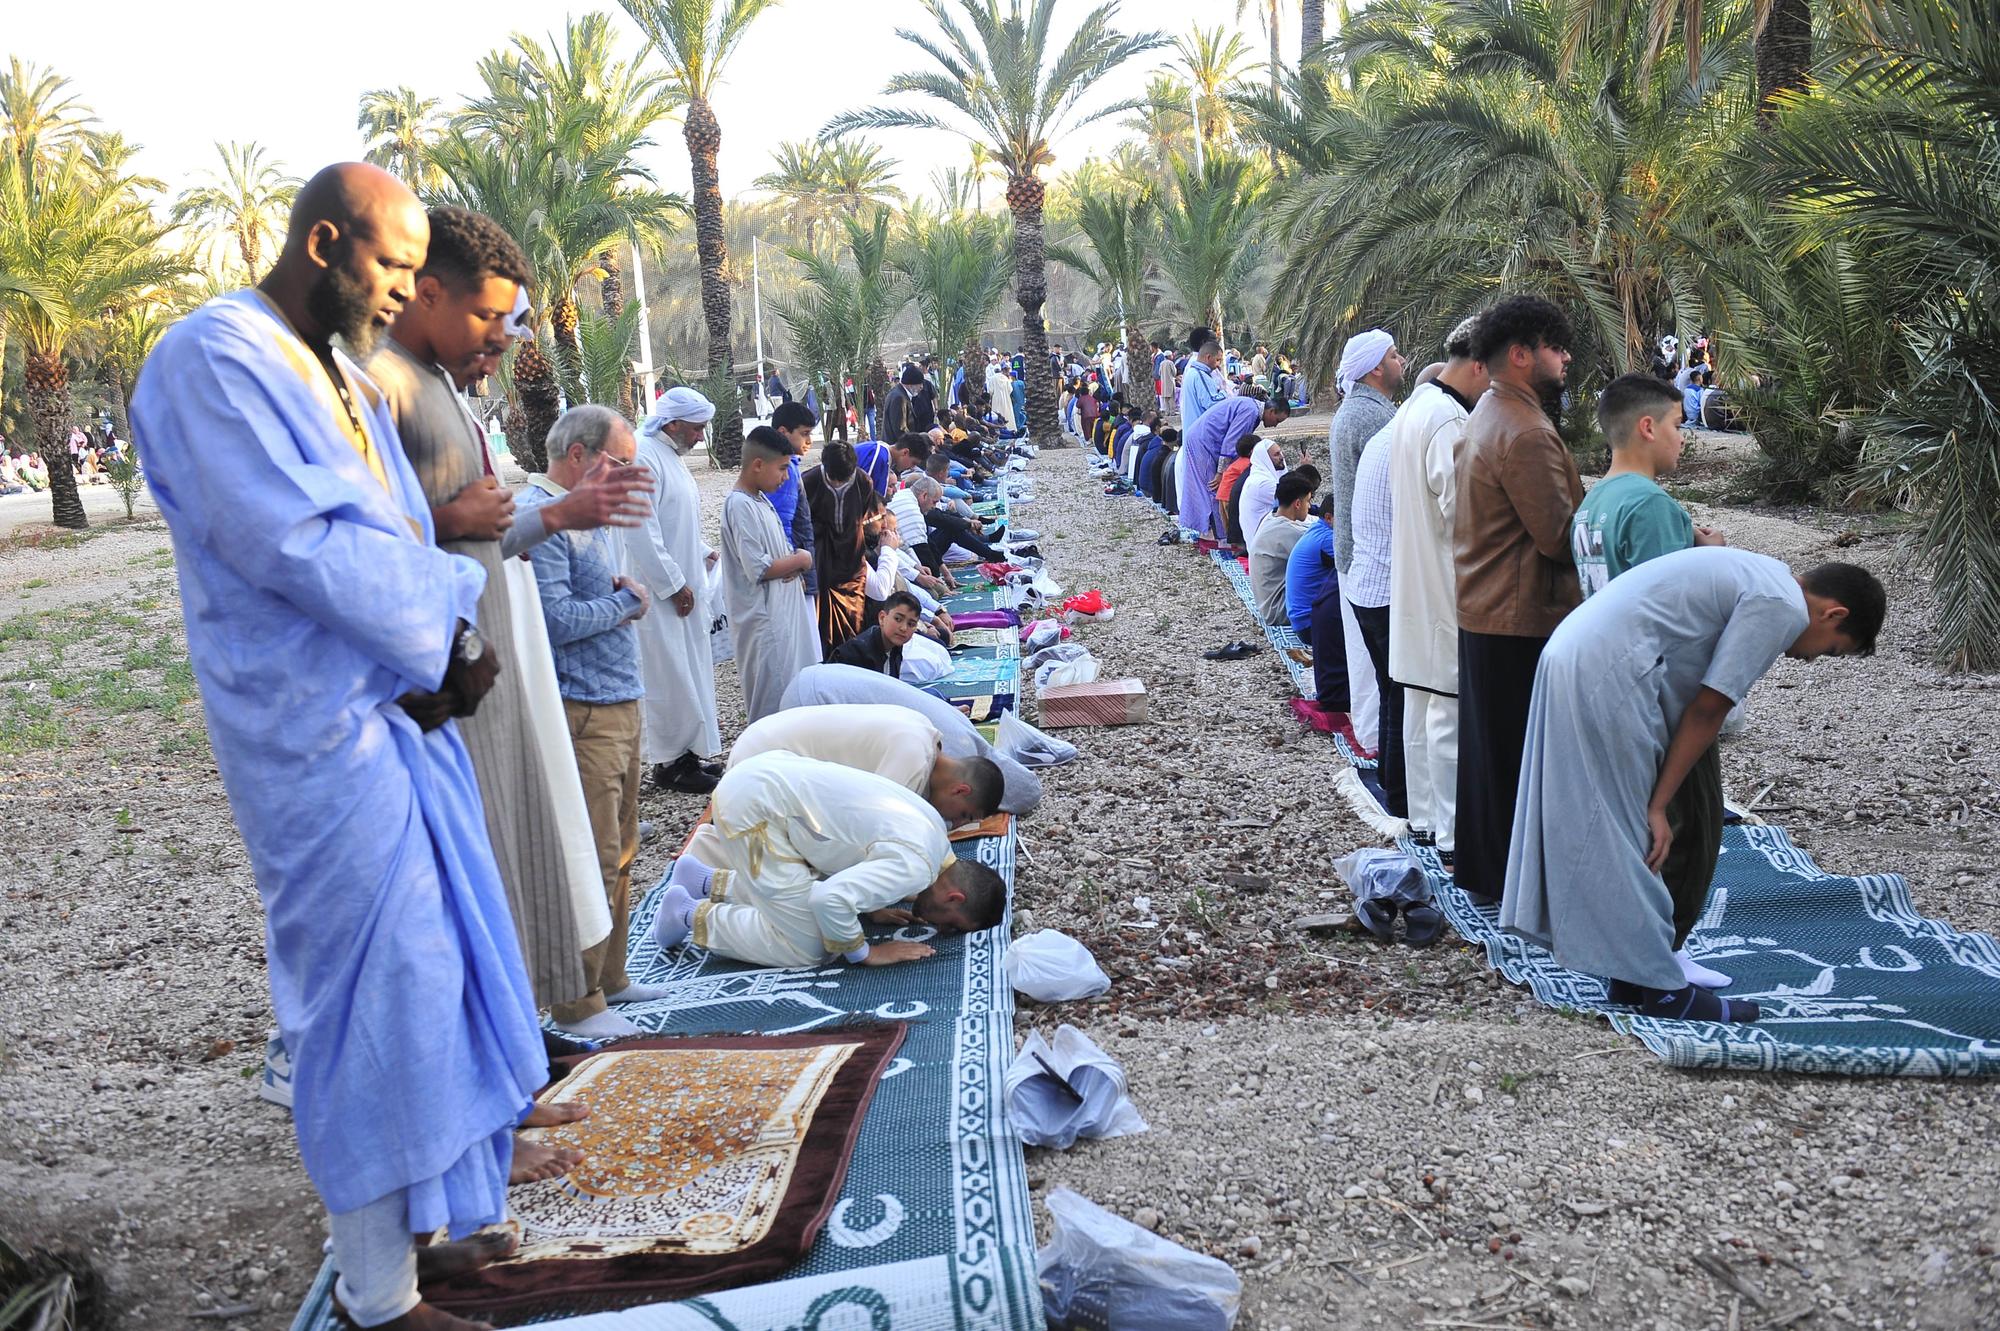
(771,621)
(1423,583)
(802,850)
(666,553)
(890,741)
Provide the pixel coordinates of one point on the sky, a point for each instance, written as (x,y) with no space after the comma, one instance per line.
(176,78)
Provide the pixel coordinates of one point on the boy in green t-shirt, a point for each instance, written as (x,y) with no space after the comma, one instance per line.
(1627,518)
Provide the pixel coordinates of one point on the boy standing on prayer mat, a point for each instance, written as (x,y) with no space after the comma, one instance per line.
(798,851)
(1627,518)
(1619,822)
(769,616)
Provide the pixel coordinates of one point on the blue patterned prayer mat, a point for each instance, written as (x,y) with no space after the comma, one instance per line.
(1353,755)
(934,1230)
(1851,979)
(988,598)
(1281,637)
(990,686)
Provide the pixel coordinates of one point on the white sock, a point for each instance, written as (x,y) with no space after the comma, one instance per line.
(606,1025)
(692,874)
(1695,973)
(639,993)
(674,921)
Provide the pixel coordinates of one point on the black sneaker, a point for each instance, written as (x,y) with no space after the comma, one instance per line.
(685,775)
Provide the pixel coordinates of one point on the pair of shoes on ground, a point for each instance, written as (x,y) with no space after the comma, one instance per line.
(1422,922)
(1234,651)
(1170,538)
(688,775)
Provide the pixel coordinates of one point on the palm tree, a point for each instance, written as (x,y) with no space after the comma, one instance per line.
(40,118)
(982,162)
(1784,38)
(857,175)
(797,176)
(695,39)
(1902,151)
(123,340)
(1123,230)
(1267,18)
(247,201)
(1212,60)
(958,266)
(1163,121)
(401,127)
(70,249)
(837,324)
(1003,85)
(1312,28)
(1206,232)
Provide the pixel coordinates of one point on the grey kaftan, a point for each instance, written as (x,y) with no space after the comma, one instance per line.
(1612,686)
(447,451)
(775,630)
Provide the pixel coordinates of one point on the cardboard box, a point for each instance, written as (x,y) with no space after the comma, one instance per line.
(1104,702)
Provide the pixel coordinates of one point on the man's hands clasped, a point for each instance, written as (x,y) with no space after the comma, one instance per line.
(466,683)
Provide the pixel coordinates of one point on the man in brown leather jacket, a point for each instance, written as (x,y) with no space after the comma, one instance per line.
(1517,492)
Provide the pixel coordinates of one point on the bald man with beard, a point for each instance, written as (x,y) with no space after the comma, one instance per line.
(335,644)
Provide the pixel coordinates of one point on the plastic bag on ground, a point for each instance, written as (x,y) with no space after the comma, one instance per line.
(1030,747)
(1100,1270)
(1045,1114)
(1054,674)
(1052,967)
(1384,875)
(1041,633)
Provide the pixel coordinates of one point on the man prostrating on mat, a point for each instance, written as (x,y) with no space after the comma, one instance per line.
(797,851)
(887,740)
(1619,821)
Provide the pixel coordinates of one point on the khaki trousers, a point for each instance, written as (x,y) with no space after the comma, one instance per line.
(606,739)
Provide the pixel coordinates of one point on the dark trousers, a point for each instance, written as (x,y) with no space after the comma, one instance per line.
(1496,681)
(1374,622)
(949,529)
(1329,649)
(1694,816)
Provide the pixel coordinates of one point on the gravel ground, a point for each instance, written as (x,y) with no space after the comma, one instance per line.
(1372,1138)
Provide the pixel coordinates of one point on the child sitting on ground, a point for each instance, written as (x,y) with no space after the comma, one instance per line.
(881,648)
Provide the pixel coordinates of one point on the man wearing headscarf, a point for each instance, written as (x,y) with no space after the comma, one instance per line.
(1371,370)
(667,555)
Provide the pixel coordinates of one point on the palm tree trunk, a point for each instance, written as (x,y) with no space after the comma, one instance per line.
(704,141)
(1277,58)
(1784,52)
(1138,366)
(121,398)
(973,357)
(541,403)
(613,289)
(1312,28)
(48,406)
(1031,289)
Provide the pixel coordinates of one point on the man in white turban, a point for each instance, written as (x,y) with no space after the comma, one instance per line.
(667,555)
(1371,370)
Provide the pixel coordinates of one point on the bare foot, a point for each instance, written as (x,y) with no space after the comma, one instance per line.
(442,1261)
(536,1163)
(548,1116)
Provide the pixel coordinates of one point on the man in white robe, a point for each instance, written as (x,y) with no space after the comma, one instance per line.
(829,684)
(1423,584)
(798,851)
(887,740)
(1619,817)
(1001,387)
(666,554)
(333,643)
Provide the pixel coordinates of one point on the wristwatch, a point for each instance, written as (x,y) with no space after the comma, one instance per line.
(469,646)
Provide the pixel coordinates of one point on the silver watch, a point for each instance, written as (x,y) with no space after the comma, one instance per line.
(470,645)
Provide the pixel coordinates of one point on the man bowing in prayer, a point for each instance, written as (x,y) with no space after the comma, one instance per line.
(1208,445)
(667,555)
(333,642)
(799,852)
(1619,823)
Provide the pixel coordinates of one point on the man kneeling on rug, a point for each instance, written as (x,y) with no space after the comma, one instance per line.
(797,851)
(1619,821)
(889,741)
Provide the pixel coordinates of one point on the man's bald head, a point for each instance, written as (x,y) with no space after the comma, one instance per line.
(356,239)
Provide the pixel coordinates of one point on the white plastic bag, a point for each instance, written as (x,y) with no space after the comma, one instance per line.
(1100,1270)
(1052,967)
(925,659)
(1028,746)
(721,642)
(1047,1114)
(1374,874)
(1053,674)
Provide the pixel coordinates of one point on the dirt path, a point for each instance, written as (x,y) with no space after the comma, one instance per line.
(1352,1127)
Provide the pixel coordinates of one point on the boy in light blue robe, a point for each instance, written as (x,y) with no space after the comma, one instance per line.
(1617,826)
(322,623)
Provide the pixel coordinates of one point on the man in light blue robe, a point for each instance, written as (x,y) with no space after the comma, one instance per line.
(329,637)
(1619,817)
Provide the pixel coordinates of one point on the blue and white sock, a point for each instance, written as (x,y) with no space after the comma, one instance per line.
(692,874)
(673,923)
